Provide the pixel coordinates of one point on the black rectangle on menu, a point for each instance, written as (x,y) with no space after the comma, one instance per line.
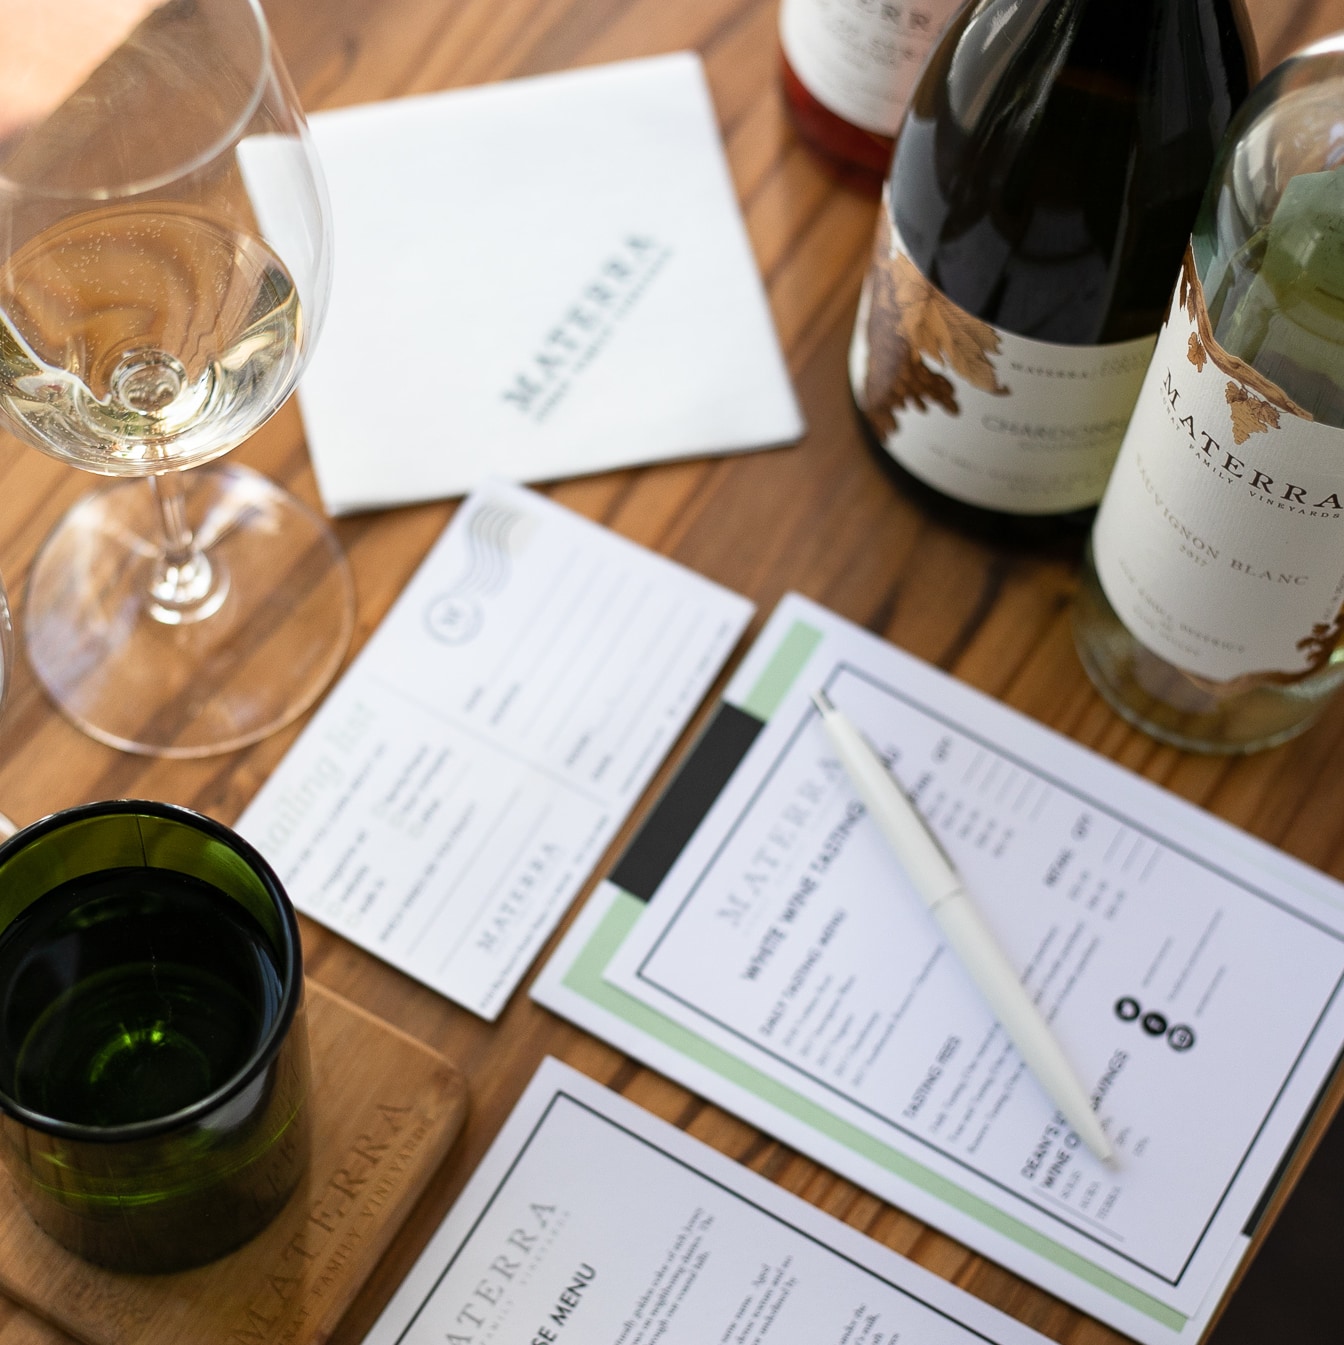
(720,749)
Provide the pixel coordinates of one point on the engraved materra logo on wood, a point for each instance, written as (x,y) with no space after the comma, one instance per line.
(340,1217)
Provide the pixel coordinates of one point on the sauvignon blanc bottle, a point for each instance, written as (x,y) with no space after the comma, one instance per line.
(1212,606)
(1044,183)
(847,68)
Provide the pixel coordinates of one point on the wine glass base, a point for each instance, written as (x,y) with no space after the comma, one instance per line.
(191,688)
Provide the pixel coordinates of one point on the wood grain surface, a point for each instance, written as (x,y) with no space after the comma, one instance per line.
(821,518)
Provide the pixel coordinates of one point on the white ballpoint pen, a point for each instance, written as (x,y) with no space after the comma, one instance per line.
(940,887)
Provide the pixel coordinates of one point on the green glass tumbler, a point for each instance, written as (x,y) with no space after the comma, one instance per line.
(154,1077)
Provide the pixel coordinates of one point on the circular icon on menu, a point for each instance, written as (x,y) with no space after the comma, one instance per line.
(452,619)
(1154,1024)
(1127,1009)
(1181,1037)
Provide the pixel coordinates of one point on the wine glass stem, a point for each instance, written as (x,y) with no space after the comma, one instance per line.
(184,585)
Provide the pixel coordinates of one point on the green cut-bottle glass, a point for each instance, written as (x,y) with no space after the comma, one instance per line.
(154,1076)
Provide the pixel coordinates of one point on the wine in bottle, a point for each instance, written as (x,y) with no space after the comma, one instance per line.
(1211,608)
(1043,185)
(847,68)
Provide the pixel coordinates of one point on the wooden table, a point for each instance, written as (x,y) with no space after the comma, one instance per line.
(821,518)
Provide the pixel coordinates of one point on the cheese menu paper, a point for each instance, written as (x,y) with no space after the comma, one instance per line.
(591,1222)
(458,785)
(785,965)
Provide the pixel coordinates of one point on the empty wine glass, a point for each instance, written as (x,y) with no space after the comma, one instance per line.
(164,267)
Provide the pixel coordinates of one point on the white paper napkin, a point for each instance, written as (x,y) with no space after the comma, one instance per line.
(536,279)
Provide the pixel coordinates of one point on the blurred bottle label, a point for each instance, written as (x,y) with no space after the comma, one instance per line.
(861,58)
(1220,542)
(986,416)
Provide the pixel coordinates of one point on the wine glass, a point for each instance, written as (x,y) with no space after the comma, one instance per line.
(164,267)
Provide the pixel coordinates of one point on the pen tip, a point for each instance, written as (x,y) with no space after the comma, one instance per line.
(822,701)
(1101,1146)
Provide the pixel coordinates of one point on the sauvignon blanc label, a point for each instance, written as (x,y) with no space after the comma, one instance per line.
(1220,542)
(860,58)
(986,416)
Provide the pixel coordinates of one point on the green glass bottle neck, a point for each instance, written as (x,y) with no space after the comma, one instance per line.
(1269,239)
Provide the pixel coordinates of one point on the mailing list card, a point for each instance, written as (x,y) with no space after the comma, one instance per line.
(536,279)
(459,784)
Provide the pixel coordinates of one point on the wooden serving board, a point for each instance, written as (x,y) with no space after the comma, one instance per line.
(386,1109)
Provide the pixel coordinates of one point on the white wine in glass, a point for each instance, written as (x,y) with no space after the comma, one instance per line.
(164,267)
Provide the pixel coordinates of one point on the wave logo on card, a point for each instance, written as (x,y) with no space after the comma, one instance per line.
(495,533)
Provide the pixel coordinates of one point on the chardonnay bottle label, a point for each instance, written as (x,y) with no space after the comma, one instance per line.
(1220,542)
(989,417)
(858,59)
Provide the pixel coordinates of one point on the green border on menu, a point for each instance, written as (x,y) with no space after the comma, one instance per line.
(585,977)
(797,646)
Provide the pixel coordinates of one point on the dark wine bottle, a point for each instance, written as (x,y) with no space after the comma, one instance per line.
(1043,186)
(847,68)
